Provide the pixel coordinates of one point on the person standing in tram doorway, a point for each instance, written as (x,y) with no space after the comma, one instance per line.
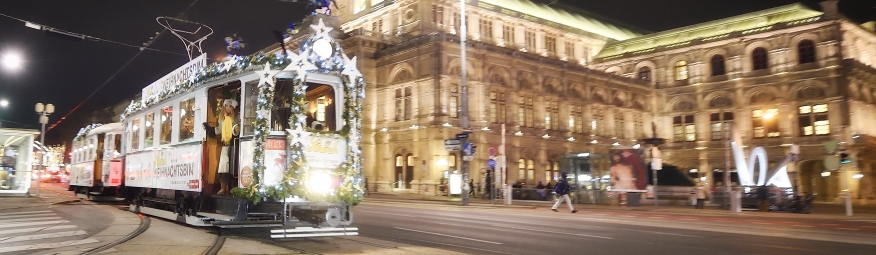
(228,128)
(562,190)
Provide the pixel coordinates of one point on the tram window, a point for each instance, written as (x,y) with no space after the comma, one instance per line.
(134,130)
(118,145)
(249,114)
(149,135)
(187,120)
(321,107)
(166,124)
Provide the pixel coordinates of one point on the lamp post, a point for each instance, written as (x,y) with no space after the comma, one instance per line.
(463,95)
(656,159)
(43,111)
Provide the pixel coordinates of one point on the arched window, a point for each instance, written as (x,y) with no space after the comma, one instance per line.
(806,51)
(759,59)
(681,70)
(645,73)
(718,65)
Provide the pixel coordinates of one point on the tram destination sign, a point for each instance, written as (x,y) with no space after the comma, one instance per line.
(171,79)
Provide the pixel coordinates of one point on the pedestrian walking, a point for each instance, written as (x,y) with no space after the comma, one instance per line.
(763,194)
(701,194)
(562,189)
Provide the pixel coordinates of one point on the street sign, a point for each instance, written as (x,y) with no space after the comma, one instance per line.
(832,162)
(467,158)
(462,136)
(452,145)
(491,163)
(467,149)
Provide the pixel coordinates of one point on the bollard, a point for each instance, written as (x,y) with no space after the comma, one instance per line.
(735,201)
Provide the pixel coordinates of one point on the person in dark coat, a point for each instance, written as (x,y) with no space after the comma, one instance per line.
(763,193)
(562,191)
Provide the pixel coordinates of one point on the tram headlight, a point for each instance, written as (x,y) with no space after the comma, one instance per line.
(319,182)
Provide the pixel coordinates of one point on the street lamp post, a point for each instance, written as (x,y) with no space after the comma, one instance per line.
(656,159)
(463,95)
(43,111)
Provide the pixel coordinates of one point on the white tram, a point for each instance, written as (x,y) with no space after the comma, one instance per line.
(292,153)
(95,169)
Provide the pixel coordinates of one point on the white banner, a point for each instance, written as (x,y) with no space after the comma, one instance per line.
(275,161)
(245,162)
(82,174)
(325,153)
(177,168)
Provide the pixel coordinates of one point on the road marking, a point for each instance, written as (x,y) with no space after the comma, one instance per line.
(394,214)
(20,213)
(671,234)
(47,245)
(30,219)
(27,230)
(26,216)
(655,217)
(459,246)
(762,223)
(22,224)
(439,234)
(43,236)
(552,232)
(805,226)
(848,228)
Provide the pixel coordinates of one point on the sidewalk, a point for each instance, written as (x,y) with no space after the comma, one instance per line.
(819,210)
(45,198)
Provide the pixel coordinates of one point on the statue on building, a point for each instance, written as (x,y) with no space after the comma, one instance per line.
(322,6)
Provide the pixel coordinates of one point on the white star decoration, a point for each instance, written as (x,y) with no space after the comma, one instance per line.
(298,135)
(321,30)
(267,75)
(298,64)
(350,68)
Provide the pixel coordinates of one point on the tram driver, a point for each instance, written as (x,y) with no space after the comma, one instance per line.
(227,129)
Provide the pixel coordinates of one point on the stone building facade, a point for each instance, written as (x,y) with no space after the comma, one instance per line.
(562,83)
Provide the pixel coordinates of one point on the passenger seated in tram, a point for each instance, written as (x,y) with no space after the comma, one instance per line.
(227,128)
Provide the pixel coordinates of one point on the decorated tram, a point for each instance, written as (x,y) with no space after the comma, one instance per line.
(259,139)
(95,170)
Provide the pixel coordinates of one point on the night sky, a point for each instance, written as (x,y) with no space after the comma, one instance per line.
(65,73)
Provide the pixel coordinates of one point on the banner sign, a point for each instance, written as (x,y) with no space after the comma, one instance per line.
(628,171)
(325,153)
(82,174)
(245,162)
(171,79)
(177,168)
(112,173)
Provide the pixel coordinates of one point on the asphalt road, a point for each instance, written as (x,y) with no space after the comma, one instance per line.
(487,230)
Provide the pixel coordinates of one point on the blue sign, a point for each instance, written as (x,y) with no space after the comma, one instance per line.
(467,149)
(491,163)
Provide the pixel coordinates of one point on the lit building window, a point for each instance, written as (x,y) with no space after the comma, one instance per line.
(377,26)
(508,34)
(453,105)
(399,105)
(681,70)
(806,51)
(576,119)
(438,14)
(521,169)
(570,49)
(529,36)
(759,59)
(684,128)
(552,115)
(486,28)
(720,123)
(597,124)
(619,123)
(645,73)
(530,171)
(550,44)
(497,107)
(638,125)
(524,112)
(813,120)
(765,123)
(718,67)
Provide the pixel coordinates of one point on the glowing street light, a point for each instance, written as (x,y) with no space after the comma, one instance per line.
(12,61)
(768,115)
(4,103)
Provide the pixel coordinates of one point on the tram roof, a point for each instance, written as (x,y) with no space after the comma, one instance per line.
(107,128)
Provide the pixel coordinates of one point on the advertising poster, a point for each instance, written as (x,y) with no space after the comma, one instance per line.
(112,174)
(275,160)
(325,153)
(177,168)
(245,163)
(627,170)
(82,175)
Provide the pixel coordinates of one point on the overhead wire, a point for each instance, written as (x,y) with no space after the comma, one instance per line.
(89,37)
(116,73)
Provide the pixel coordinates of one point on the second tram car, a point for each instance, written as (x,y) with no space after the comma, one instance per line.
(251,140)
(95,170)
